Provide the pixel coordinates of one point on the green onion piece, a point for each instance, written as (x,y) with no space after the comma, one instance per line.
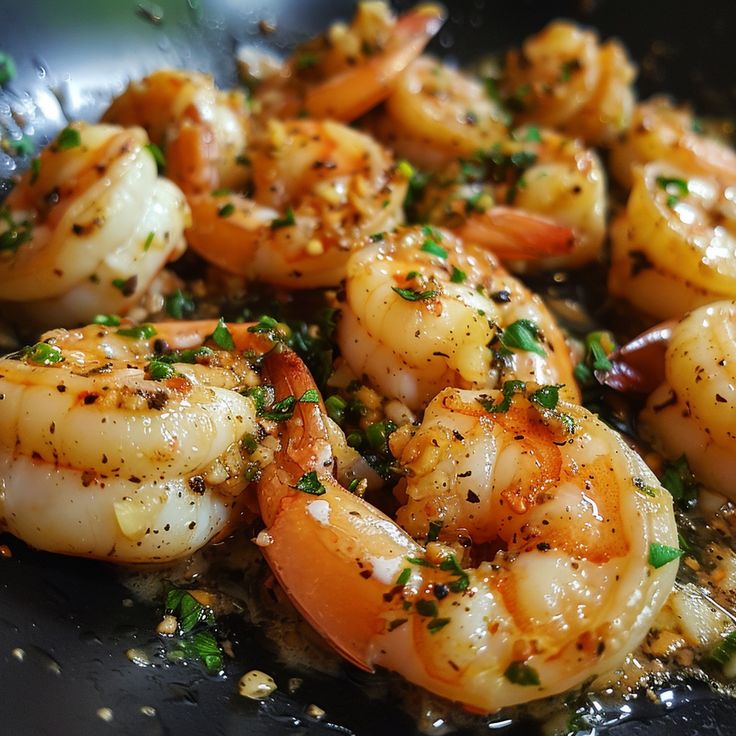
(149,240)
(429,246)
(7,68)
(405,169)
(336,406)
(599,344)
(661,554)
(583,374)
(23,147)
(286,221)
(188,610)
(226,210)
(43,354)
(415,296)
(221,192)
(647,490)
(458,276)
(724,651)
(378,433)
(281,411)
(222,337)
(435,527)
(158,156)
(522,335)
(508,390)
(678,479)
(249,443)
(139,332)
(436,624)
(676,188)
(377,237)
(109,320)
(520,673)
(404,576)
(68,138)
(310,483)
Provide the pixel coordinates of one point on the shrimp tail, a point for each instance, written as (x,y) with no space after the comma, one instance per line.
(360,89)
(516,234)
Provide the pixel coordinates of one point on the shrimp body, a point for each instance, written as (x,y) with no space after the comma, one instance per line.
(436,114)
(351,69)
(674,246)
(319,188)
(560,588)
(692,412)
(101,459)
(95,226)
(539,172)
(563,78)
(175,106)
(667,134)
(414,322)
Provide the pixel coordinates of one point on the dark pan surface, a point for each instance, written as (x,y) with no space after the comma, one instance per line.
(72,618)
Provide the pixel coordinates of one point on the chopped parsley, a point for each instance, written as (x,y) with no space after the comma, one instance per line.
(433,248)
(508,390)
(661,554)
(724,651)
(678,479)
(68,138)
(310,483)
(286,221)
(522,335)
(520,673)
(16,233)
(410,295)
(546,396)
(458,276)
(179,305)
(226,210)
(435,527)
(675,188)
(222,337)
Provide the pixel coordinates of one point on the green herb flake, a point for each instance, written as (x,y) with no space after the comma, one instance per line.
(336,407)
(724,651)
(377,237)
(520,673)
(108,320)
(426,608)
(310,483)
(405,169)
(429,246)
(286,221)
(458,276)
(395,623)
(43,354)
(22,147)
(68,138)
(138,332)
(547,396)
(435,527)
(149,240)
(645,489)
(436,624)
(661,554)
(523,335)
(226,210)
(310,396)
(179,305)
(158,156)
(378,433)
(221,192)
(679,480)
(508,390)
(675,188)
(531,134)
(598,351)
(16,234)
(404,576)
(410,295)
(7,68)
(222,337)
(160,371)
(35,170)
(281,411)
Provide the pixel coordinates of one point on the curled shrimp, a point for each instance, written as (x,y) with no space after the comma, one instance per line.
(662,132)
(319,187)
(88,228)
(177,108)
(436,114)
(422,312)
(561,586)
(541,173)
(564,78)
(350,69)
(674,246)
(124,444)
(692,411)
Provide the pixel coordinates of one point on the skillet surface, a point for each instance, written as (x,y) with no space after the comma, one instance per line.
(72,618)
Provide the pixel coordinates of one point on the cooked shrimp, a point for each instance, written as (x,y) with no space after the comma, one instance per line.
(661,132)
(562,77)
(564,522)
(176,107)
(693,411)
(88,228)
(351,69)
(674,246)
(319,188)
(539,172)
(422,312)
(436,114)
(114,445)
